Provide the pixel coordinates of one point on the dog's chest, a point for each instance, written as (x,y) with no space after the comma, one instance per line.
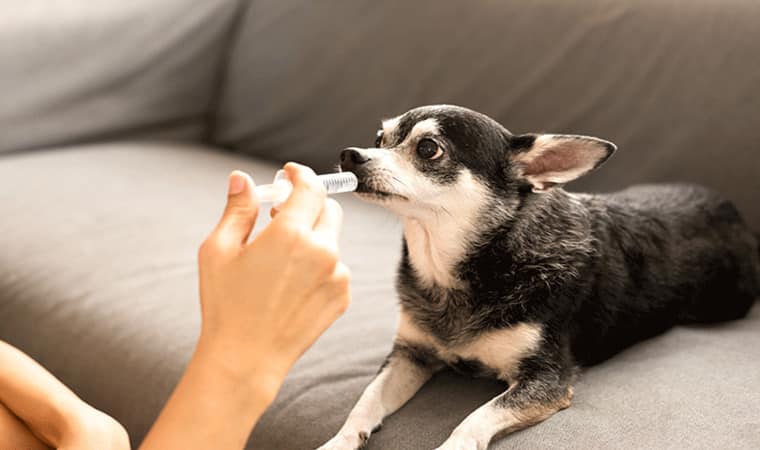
(497,351)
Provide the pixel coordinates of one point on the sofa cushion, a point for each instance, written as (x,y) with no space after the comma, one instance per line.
(98,282)
(673,85)
(73,71)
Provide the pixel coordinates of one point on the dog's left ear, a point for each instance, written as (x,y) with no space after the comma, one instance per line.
(545,160)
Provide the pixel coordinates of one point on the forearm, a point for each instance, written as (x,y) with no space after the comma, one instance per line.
(215,405)
(32,394)
(15,434)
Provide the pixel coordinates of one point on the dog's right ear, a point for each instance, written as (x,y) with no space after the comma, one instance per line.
(545,160)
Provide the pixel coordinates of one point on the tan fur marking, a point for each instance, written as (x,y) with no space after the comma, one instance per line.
(491,421)
(538,413)
(389,128)
(500,350)
(424,127)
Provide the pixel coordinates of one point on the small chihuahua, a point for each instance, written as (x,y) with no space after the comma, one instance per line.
(504,274)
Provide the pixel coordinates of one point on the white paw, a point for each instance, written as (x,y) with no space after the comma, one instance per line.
(346,442)
(461,443)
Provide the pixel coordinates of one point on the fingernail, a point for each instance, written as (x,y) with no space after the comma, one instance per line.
(291,164)
(237,183)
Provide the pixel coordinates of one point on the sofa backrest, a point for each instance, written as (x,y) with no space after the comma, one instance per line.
(79,70)
(674,84)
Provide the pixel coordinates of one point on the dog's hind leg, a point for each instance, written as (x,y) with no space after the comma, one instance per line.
(525,403)
(404,372)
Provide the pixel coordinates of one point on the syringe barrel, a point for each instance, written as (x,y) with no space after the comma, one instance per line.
(279,190)
(334,183)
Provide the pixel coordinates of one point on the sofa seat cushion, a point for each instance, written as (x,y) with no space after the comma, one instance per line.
(98,282)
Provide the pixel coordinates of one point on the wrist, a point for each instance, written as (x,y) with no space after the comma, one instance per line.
(59,420)
(91,428)
(258,375)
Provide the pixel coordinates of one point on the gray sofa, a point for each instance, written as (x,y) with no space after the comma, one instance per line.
(119,122)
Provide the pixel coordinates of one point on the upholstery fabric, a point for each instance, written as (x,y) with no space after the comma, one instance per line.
(80,70)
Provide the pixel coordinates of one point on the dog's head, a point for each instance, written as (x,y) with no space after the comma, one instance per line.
(439,157)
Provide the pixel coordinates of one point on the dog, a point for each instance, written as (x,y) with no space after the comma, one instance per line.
(504,274)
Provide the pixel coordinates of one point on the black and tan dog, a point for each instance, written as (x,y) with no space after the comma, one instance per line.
(505,274)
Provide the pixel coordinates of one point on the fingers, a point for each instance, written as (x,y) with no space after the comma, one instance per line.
(239,215)
(306,201)
(338,289)
(329,222)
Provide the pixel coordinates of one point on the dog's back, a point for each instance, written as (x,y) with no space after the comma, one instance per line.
(666,254)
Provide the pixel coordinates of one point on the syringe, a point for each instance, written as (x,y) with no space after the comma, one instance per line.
(279,190)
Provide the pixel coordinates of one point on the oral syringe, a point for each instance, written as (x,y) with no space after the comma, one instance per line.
(279,190)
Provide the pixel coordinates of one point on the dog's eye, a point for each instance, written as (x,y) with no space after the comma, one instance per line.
(379,139)
(428,149)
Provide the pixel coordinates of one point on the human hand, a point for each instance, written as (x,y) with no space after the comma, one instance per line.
(265,302)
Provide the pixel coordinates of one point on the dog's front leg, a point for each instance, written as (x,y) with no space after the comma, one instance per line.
(405,370)
(524,404)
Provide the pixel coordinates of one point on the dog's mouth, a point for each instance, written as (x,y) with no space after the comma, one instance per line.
(365,190)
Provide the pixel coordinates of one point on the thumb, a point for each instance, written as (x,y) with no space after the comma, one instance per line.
(240,213)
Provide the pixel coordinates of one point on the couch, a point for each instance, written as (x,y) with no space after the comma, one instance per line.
(119,122)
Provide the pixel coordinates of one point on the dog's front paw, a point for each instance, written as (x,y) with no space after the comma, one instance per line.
(462,443)
(344,441)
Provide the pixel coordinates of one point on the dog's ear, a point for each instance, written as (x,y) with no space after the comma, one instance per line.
(545,160)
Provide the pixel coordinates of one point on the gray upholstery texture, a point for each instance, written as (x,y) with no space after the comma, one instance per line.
(674,85)
(98,282)
(79,70)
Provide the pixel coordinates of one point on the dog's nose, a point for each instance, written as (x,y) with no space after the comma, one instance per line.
(351,157)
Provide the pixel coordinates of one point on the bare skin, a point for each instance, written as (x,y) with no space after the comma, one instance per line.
(264,301)
(38,412)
